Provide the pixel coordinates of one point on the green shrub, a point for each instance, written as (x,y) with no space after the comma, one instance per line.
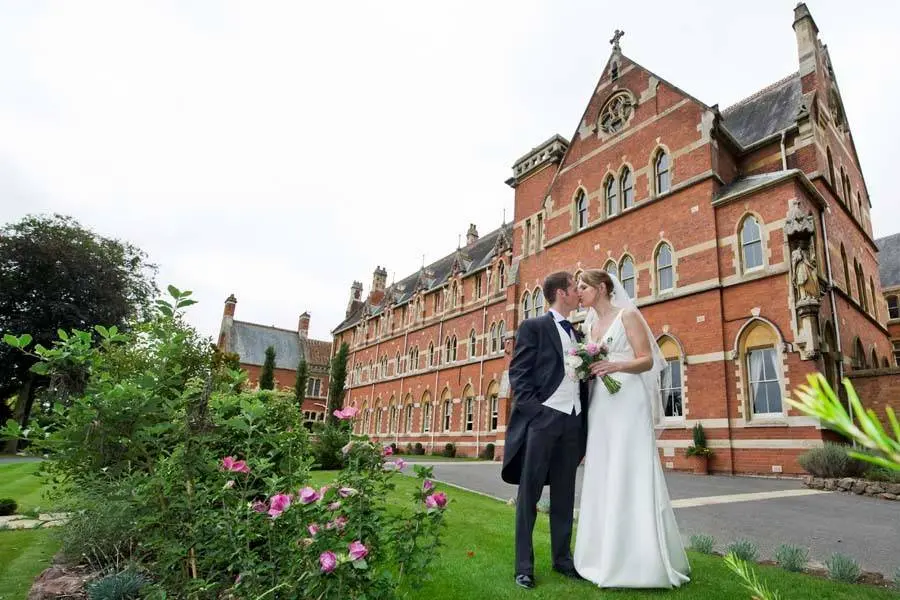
(409,448)
(699,446)
(744,550)
(327,448)
(831,460)
(8,506)
(449,450)
(883,474)
(543,505)
(842,568)
(419,449)
(487,453)
(791,558)
(703,543)
(125,585)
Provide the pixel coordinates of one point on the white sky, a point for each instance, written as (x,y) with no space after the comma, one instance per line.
(281,150)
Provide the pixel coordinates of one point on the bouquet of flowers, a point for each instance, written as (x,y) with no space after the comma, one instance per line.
(582,356)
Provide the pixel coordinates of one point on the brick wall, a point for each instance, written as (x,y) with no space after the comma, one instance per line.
(877,389)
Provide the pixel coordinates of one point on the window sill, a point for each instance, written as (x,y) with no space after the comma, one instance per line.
(767,421)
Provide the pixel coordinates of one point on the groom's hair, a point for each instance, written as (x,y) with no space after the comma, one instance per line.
(555,282)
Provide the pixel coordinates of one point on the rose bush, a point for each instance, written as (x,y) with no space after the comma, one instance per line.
(207,489)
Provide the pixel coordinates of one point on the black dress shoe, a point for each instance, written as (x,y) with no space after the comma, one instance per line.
(525,581)
(569,572)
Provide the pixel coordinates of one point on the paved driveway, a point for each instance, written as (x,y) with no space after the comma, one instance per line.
(768,511)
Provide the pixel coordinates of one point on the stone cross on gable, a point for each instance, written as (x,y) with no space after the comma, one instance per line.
(615,39)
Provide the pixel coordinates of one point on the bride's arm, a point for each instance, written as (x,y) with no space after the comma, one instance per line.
(643,359)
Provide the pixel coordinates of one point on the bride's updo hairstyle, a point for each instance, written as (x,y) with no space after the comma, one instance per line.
(594,277)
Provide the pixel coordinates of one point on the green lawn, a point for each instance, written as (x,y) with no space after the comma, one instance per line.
(476,561)
(20,482)
(23,555)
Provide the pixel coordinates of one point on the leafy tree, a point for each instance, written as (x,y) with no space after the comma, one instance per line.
(267,377)
(300,384)
(337,376)
(56,274)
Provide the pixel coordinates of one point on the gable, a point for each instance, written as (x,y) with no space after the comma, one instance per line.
(633,95)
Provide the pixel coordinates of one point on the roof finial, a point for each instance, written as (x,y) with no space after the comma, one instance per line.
(504,216)
(615,40)
(458,241)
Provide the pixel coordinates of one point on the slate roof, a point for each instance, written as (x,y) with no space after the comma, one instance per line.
(470,259)
(766,112)
(250,341)
(889,260)
(744,185)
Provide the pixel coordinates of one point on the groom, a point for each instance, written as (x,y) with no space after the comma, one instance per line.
(546,433)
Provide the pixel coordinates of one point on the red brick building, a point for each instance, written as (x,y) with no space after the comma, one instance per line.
(889,271)
(743,234)
(250,340)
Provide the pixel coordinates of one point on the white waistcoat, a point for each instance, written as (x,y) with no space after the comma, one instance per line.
(566,397)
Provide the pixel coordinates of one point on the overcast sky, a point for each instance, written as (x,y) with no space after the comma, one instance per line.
(281,150)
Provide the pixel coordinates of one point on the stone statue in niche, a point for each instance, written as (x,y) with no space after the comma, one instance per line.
(806,279)
(800,232)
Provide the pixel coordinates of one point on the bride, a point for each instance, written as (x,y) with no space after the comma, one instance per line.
(627,536)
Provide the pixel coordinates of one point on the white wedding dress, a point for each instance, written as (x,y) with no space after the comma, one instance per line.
(627,536)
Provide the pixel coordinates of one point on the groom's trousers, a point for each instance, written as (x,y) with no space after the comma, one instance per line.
(551,447)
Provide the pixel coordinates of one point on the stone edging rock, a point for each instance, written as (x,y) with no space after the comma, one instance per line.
(861,487)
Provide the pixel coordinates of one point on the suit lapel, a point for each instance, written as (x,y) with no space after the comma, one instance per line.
(554,333)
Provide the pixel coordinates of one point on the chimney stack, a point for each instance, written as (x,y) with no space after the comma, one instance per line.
(379,279)
(303,326)
(471,235)
(230,303)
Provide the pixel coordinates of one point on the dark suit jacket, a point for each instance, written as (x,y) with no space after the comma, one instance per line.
(536,370)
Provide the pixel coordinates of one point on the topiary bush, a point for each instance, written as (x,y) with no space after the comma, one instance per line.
(487,453)
(8,506)
(449,450)
(419,449)
(831,460)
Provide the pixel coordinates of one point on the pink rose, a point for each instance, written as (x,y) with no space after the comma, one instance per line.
(388,451)
(427,485)
(235,466)
(573,351)
(438,500)
(339,523)
(592,349)
(328,561)
(313,529)
(346,413)
(259,507)
(278,504)
(346,492)
(308,495)
(334,506)
(358,551)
